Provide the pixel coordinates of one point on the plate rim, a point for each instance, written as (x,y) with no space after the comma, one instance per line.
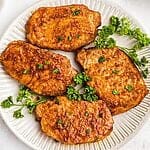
(110,3)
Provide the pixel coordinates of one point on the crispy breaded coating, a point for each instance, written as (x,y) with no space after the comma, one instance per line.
(115,78)
(63,27)
(42,71)
(75,122)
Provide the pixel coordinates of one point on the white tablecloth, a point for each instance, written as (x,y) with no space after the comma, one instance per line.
(10,9)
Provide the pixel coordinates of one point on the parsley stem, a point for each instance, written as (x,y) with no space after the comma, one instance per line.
(19,105)
(40,101)
(16,105)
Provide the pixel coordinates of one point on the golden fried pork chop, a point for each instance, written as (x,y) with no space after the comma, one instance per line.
(42,71)
(115,78)
(63,27)
(74,122)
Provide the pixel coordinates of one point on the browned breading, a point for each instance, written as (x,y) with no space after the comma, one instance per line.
(74,122)
(113,78)
(42,71)
(63,27)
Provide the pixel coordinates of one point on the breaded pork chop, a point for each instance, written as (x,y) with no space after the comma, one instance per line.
(63,27)
(74,122)
(115,78)
(42,71)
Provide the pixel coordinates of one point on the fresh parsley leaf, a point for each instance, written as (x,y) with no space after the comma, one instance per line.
(115,22)
(73,94)
(7,103)
(106,31)
(144,61)
(23,93)
(30,104)
(145,73)
(124,27)
(18,114)
(89,94)
(81,78)
(105,43)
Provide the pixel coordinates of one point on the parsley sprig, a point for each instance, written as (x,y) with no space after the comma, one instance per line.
(123,27)
(25,99)
(81,78)
(84,92)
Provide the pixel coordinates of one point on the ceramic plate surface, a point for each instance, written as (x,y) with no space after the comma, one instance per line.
(28,130)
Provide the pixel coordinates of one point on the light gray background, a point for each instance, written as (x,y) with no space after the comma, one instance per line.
(10,9)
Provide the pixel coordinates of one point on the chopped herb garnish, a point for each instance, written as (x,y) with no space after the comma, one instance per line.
(87,131)
(25,99)
(56,71)
(101,59)
(40,66)
(81,78)
(129,88)
(115,92)
(115,71)
(59,122)
(69,38)
(47,63)
(26,71)
(76,12)
(59,38)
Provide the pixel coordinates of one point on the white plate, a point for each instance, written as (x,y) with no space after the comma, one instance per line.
(28,130)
